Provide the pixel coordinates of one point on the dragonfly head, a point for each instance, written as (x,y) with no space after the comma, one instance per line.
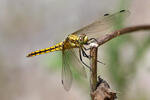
(83,39)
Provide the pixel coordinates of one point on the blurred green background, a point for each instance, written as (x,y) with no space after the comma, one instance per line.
(26,26)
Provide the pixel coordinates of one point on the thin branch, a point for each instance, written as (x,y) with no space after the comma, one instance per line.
(122,31)
(93,63)
(93,72)
(103,91)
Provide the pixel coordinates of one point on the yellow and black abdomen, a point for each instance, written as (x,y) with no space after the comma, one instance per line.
(56,47)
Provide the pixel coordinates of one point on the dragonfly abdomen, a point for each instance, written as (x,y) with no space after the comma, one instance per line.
(56,47)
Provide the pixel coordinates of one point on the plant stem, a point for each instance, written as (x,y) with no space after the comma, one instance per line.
(93,72)
(122,31)
(103,92)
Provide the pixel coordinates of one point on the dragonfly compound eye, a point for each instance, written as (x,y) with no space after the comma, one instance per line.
(85,39)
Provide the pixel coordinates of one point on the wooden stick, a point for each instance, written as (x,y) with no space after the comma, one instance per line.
(122,31)
(102,91)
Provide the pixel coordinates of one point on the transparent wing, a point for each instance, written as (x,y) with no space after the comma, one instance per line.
(66,72)
(102,25)
(70,59)
(76,63)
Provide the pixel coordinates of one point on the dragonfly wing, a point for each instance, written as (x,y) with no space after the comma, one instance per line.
(102,25)
(70,59)
(66,72)
(76,63)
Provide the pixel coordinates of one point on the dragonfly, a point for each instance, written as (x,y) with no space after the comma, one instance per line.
(78,40)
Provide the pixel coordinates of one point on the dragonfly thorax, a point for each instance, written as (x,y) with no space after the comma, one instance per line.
(77,41)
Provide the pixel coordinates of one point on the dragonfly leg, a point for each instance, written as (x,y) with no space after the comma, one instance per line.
(101,62)
(84,53)
(88,56)
(82,59)
(86,49)
(92,40)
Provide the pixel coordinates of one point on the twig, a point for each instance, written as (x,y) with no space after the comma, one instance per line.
(93,63)
(102,93)
(122,31)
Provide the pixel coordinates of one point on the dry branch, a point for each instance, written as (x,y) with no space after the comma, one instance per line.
(122,31)
(102,91)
